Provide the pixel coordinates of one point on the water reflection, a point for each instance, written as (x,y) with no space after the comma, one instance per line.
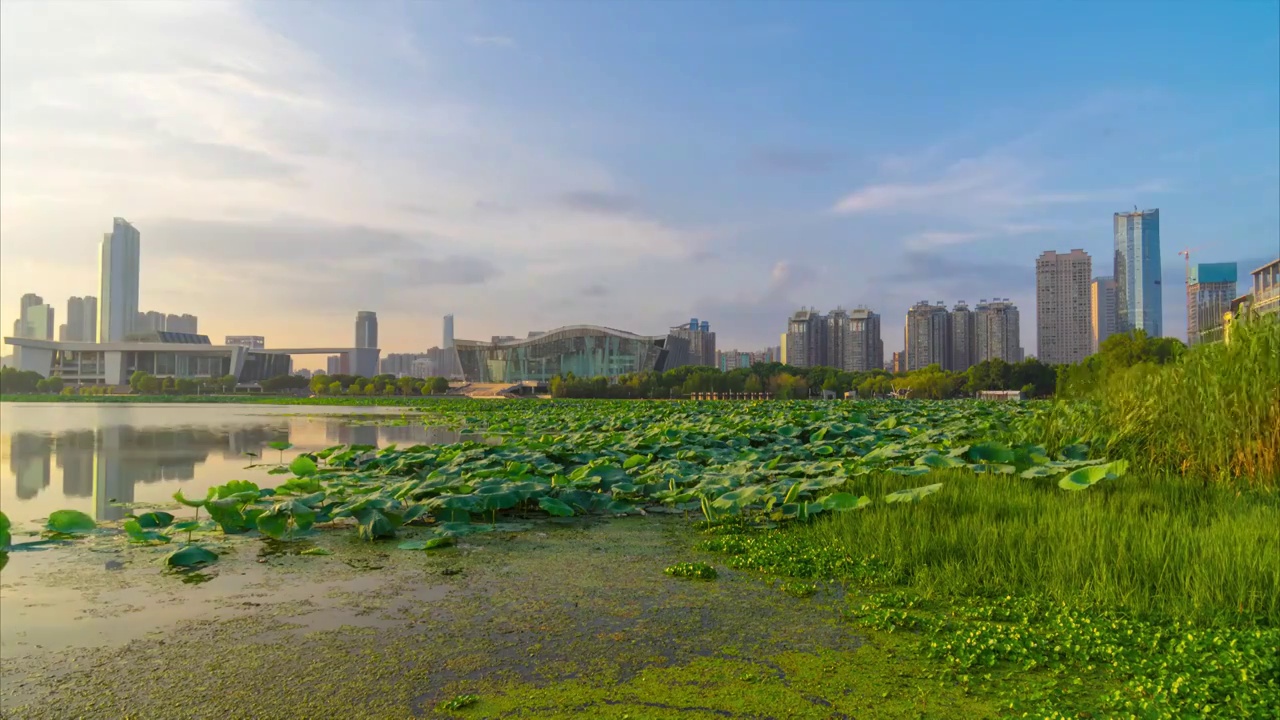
(125,463)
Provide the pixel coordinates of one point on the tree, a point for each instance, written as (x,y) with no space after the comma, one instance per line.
(335,388)
(320,384)
(227,383)
(407,386)
(186,386)
(149,385)
(439,385)
(168,386)
(135,380)
(753,385)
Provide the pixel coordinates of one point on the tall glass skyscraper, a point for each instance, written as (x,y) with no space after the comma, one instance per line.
(118,272)
(1137,273)
(366,329)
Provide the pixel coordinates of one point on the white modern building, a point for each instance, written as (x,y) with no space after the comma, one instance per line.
(118,272)
(164,354)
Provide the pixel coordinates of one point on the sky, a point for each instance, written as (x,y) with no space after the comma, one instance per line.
(633,164)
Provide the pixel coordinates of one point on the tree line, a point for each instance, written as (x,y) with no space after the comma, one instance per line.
(1033,378)
(377,385)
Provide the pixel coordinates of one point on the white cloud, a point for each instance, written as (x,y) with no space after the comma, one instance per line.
(202,112)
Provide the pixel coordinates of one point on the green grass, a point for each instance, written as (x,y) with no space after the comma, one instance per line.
(1149,599)
(1168,547)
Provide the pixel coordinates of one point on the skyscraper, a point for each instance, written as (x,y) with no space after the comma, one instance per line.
(1102,311)
(997,331)
(1063,318)
(927,336)
(38,322)
(82,319)
(964,339)
(118,262)
(848,340)
(1139,305)
(366,329)
(1210,289)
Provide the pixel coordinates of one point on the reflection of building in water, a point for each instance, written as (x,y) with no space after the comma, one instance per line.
(74,452)
(342,434)
(109,483)
(29,462)
(338,433)
(253,439)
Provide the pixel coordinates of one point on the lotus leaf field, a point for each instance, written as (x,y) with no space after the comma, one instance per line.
(1031,578)
(765,462)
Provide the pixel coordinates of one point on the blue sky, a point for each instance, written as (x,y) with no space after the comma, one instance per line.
(526,165)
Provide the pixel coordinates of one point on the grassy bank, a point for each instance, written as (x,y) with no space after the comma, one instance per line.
(1144,598)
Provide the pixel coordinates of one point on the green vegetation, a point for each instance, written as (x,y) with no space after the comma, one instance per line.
(784,382)
(695,570)
(1053,559)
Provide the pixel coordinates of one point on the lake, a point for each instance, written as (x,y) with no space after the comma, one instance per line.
(91,457)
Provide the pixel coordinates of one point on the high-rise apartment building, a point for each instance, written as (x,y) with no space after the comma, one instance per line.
(1139,305)
(997,331)
(1064,331)
(898,364)
(702,342)
(847,340)
(806,341)
(1102,311)
(865,347)
(253,342)
(1210,289)
(118,271)
(82,319)
(964,339)
(366,329)
(927,336)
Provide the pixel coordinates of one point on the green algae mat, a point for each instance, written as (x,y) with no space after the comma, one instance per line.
(569,620)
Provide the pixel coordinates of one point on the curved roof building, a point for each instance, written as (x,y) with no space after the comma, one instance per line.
(584,350)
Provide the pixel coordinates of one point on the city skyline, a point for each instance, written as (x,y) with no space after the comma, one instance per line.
(745,186)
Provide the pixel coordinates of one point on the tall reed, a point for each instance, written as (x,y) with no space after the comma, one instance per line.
(1214,414)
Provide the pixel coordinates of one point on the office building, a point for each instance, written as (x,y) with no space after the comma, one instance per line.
(927,336)
(253,342)
(702,342)
(1139,304)
(38,322)
(1102,311)
(366,329)
(997,331)
(898,363)
(783,356)
(118,261)
(1064,331)
(1210,289)
(964,339)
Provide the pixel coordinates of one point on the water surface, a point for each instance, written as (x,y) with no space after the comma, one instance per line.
(90,457)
